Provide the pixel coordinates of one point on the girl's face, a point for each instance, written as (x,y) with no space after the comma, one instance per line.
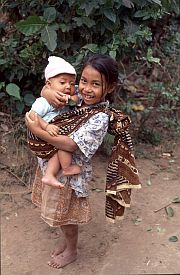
(64,83)
(92,86)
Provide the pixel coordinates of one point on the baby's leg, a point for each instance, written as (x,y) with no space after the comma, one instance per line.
(65,159)
(53,167)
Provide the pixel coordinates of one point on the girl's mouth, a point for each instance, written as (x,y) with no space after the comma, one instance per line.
(88,96)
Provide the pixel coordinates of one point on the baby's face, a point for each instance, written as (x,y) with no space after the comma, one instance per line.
(64,83)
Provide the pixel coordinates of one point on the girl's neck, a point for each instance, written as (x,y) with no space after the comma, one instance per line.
(85,105)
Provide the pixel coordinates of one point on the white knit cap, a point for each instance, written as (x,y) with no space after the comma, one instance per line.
(58,65)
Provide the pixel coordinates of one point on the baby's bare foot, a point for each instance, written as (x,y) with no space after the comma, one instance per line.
(62,260)
(52,181)
(72,170)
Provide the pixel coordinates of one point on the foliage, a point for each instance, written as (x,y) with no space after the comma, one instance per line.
(32,30)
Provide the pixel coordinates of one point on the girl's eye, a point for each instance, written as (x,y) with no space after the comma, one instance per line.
(83,80)
(96,84)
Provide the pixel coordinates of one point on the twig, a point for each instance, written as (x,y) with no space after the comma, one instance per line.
(123,68)
(163,207)
(129,75)
(15,193)
(17,177)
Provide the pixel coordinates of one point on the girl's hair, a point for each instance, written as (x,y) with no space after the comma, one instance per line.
(105,65)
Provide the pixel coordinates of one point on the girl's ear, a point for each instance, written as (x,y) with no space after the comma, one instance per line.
(111,88)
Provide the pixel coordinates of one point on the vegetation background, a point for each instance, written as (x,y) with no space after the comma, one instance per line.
(142,35)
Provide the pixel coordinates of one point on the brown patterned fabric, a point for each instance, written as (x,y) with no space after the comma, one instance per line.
(122,174)
(67,122)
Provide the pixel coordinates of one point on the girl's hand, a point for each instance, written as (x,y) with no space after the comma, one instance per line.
(33,122)
(53,130)
(54,97)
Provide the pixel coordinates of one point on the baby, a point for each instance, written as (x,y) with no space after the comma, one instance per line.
(60,76)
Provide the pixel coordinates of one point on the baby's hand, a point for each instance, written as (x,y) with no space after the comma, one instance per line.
(53,130)
(64,97)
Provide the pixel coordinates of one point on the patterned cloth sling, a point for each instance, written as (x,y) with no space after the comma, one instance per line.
(122,175)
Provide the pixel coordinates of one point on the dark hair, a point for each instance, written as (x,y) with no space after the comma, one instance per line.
(105,65)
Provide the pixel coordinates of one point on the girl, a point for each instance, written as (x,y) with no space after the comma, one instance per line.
(69,206)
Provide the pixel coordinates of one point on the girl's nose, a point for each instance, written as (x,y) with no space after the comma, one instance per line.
(88,88)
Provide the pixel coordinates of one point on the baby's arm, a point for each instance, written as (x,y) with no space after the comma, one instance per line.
(61,141)
(53,130)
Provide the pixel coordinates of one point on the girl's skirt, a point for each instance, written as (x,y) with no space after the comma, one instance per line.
(59,206)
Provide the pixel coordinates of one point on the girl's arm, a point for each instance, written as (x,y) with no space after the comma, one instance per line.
(53,130)
(42,122)
(61,142)
(56,98)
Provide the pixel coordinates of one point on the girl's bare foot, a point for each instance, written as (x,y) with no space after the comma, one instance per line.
(52,181)
(62,259)
(72,170)
(58,250)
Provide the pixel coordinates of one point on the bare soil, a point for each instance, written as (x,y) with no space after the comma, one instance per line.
(137,245)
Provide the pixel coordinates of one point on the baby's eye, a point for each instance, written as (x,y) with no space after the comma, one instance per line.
(62,82)
(72,84)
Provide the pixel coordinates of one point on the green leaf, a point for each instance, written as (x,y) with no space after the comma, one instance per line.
(97,190)
(13,90)
(176,200)
(50,14)
(103,49)
(137,220)
(91,47)
(71,102)
(31,25)
(63,27)
(88,7)
(140,13)
(150,58)
(173,239)
(149,228)
(88,22)
(128,3)
(169,211)
(19,106)
(78,21)
(157,2)
(112,54)
(149,182)
(29,99)
(49,37)
(2,85)
(109,13)
(3,61)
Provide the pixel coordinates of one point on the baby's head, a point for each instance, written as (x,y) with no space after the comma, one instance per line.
(60,75)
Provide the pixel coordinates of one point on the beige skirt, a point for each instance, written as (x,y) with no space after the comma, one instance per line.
(59,206)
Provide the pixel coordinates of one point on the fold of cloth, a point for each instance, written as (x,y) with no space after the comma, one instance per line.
(122,174)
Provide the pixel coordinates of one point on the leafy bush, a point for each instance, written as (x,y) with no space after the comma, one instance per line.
(128,30)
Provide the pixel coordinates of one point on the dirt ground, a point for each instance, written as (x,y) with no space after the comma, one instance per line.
(137,245)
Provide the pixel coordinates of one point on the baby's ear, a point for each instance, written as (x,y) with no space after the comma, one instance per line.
(48,83)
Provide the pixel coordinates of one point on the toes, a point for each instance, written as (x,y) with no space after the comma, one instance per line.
(53,264)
